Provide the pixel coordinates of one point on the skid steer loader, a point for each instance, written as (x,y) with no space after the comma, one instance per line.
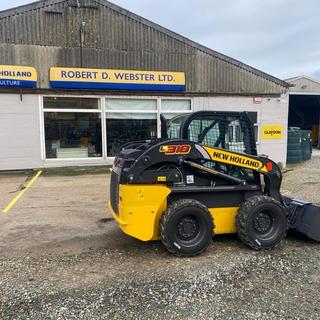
(203,178)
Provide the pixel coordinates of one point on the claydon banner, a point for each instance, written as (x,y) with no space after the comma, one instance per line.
(272,131)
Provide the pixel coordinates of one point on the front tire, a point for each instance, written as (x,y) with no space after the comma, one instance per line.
(261,222)
(186,227)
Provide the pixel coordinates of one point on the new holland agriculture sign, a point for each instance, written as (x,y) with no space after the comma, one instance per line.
(18,76)
(82,78)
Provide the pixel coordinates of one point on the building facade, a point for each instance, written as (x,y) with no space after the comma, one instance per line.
(78,78)
(304,105)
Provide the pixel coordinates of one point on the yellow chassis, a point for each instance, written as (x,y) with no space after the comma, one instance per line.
(141,207)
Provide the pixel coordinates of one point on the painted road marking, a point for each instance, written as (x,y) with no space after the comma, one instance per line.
(20,194)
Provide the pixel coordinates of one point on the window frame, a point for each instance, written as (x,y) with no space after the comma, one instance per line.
(175,112)
(157,111)
(42,125)
(103,116)
(106,111)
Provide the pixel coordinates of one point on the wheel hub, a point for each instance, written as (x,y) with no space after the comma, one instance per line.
(188,228)
(262,222)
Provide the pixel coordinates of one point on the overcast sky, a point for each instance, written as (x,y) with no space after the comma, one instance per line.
(280,37)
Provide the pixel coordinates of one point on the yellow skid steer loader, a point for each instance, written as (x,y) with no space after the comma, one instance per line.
(202,178)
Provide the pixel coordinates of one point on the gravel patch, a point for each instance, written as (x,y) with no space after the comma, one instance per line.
(303,181)
(227,282)
(142,281)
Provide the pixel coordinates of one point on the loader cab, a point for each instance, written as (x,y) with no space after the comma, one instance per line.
(227,130)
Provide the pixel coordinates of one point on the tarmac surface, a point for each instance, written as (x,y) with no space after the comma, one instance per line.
(63,257)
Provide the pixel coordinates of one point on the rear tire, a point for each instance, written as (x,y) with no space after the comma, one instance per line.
(186,227)
(261,222)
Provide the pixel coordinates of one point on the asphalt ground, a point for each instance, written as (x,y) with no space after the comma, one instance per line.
(63,257)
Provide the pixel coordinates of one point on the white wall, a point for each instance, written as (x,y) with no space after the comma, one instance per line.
(20,142)
(272,111)
(304,85)
(19,132)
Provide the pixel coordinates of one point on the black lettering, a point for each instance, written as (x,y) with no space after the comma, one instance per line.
(216,154)
(70,74)
(235,159)
(119,76)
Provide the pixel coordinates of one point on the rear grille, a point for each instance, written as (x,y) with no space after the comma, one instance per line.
(114,192)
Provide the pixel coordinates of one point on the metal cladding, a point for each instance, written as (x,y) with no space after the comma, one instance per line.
(99,34)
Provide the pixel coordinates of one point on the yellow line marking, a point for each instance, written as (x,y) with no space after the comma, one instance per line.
(20,194)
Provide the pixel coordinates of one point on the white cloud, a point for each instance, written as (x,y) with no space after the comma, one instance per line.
(280,37)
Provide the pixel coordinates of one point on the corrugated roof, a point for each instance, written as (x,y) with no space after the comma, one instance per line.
(148,24)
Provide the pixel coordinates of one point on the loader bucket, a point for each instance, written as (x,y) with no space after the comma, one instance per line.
(304,217)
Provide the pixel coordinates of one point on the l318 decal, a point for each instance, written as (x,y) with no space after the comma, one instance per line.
(173,149)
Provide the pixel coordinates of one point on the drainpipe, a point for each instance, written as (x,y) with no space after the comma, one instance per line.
(82,25)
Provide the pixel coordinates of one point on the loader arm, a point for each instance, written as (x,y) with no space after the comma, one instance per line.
(182,157)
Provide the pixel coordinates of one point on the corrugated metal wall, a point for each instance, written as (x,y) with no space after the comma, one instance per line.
(49,35)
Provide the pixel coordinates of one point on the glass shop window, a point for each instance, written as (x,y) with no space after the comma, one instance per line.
(131,104)
(171,108)
(129,120)
(75,133)
(72,135)
(70,103)
(175,105)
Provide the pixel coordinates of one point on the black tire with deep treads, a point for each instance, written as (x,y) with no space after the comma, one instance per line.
(176,214)
(251,210)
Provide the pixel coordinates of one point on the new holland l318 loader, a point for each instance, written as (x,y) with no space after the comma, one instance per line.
(203,178)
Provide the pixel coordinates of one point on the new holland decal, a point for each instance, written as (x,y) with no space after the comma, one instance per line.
(235,159)
(172,149)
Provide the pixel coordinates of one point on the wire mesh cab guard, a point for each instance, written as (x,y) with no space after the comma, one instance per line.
(226,130)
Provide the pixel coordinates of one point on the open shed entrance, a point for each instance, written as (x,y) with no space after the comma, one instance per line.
(304,112)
